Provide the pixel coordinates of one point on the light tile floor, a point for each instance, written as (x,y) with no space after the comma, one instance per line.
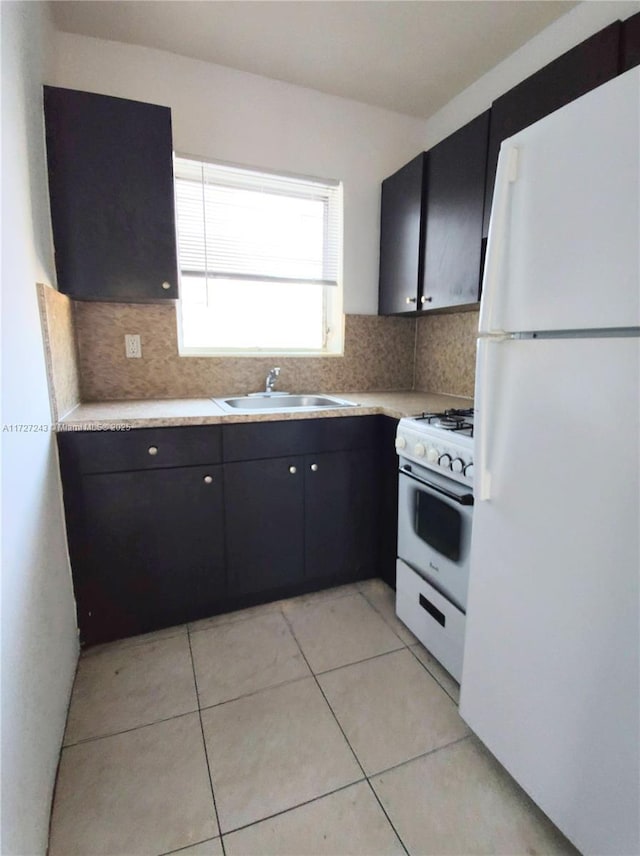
(316,725)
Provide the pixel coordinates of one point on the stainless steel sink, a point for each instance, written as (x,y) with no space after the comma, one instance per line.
(280,402)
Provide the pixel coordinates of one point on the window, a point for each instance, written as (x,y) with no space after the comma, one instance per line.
(260,258)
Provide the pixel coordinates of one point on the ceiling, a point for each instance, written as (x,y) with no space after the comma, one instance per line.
(412,56)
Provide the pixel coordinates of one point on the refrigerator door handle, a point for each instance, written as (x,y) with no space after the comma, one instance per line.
(485,406)
(506,175)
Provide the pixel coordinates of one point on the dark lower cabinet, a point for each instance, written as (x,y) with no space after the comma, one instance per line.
(264,515)
(300,521)
(387,468)
(340,516)
(158,536)
(149,549)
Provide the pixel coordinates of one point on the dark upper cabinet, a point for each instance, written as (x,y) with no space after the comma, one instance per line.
(456,170)
(112,199)
(571,75)
(431,225)
(630,51)
(402,226)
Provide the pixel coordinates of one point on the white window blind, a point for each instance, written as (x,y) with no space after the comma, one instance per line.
(239,224)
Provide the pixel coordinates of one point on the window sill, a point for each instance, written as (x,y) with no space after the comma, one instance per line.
(256,353)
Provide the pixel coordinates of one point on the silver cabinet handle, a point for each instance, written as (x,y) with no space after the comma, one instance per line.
(153,450)
(293,470)
(424,299)
(166,285)
(314,468)
(208,479)
(411,300)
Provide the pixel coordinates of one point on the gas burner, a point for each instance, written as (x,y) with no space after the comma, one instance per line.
(451,420)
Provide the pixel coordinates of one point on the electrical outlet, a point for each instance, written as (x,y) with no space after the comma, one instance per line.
(132,346)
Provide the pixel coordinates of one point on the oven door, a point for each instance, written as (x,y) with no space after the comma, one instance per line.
(434,529)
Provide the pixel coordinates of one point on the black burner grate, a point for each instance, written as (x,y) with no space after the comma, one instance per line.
(451,420)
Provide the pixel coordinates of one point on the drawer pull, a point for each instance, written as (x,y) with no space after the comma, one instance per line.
(153,450)
(166,285)
(293,470)
(208,479)
(314,468)
(433,611)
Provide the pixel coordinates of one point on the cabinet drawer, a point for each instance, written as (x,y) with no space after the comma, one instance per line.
(437,623)
(140,449)
(254,440)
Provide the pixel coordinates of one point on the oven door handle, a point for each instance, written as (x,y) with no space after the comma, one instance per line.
(461,499)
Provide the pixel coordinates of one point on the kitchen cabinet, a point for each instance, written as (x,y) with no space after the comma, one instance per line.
(172,524)
(153,550)
(340,516)
(571,75)
(387,464)
(264,514)
(300,519)
(456,170)
(630,52)
(431,225)
(111,194)
(145,526)
(402,227)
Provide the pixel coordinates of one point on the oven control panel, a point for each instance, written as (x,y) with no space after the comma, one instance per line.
(436,449)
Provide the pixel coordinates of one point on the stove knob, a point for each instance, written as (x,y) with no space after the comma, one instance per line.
(468,470)
(419,450)
(400,442)
(432,454)
(445,460)
(457,465)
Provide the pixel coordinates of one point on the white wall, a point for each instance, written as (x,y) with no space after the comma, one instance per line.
(39,638)
(248,119)
(582,21)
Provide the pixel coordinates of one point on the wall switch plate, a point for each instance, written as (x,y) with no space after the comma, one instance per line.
(132,346)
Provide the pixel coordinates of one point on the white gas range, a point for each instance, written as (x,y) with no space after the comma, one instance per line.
(435,510)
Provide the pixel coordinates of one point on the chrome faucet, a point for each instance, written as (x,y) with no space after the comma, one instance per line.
(272,378)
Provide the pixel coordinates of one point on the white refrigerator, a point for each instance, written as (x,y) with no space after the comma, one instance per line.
(551,669)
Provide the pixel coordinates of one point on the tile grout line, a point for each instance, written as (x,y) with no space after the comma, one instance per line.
(204,744)
(429,672)
(128,730)
(421,755)
(295,807)
(388,623)
(376,797)
(409,646)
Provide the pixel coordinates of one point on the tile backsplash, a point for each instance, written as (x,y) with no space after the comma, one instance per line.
(58,333)
(84,345)
(446,353)
(378,355)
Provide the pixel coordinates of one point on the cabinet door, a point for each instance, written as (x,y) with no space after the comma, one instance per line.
(402,238)
(111,191)
(387,467)
(580,70)
(340,516)
(264,516)
(631,42)
(150,552)
(455,204)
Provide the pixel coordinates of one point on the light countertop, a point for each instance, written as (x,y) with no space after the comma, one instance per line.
(203,411)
